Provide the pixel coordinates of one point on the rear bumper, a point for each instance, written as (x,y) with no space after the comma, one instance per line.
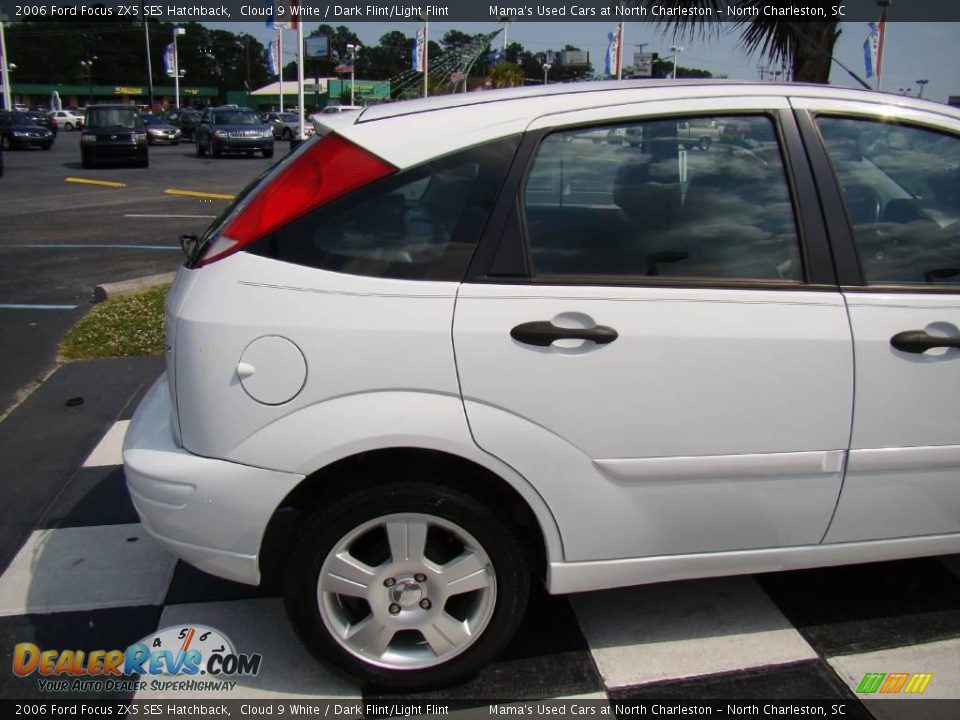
(211,513)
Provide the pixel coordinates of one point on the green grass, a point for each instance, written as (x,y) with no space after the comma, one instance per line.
(119,327)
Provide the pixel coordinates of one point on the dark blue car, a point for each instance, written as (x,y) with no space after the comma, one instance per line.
(233,129)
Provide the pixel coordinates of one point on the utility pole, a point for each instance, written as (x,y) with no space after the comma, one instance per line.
(146,44)
(883,31)
(177,31)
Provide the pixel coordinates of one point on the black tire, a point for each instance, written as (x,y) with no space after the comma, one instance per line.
(144,161)
(705,143)
(68,126)
(501,602)
(287,134)
(267,152)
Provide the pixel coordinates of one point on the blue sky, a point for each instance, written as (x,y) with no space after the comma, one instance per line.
(913,50)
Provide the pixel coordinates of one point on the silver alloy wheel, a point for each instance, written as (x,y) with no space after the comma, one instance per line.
(406,591)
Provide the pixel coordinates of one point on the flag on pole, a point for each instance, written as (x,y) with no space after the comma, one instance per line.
(873,48)
(420,51)
(282,15)
(168,61)
(273,57)
(611,65)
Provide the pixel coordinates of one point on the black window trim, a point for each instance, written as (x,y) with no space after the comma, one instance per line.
(812,241)
(266,246)
(846,256)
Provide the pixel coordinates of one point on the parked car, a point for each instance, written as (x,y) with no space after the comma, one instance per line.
(67,119)
(186,119)
(160,132)
(233,129)
(285,125)
(113,133)
(335,109)
(43,120)
(19,130)
(444,352)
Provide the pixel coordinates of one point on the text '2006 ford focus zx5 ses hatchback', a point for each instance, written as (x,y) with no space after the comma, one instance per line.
(453,345)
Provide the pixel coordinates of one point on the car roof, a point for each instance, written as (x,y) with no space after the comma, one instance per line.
(425,128)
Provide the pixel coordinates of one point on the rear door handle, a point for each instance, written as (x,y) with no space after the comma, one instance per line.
(543,333)
(919,341)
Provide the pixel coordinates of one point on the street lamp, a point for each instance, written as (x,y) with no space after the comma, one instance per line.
(546,69)
(352,49)
(676,50)
(87,65)
(177,31)
(921,83)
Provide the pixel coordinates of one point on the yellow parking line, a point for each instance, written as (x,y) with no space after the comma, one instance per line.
(105,183)
(194,193)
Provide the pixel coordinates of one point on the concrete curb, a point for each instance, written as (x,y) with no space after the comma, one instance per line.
(131,286)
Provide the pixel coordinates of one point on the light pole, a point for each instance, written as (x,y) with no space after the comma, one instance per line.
(921,83)
(177,31)
(676,50)
(353,50)
(884,4)
(5,68)
(88,66)
(546,69)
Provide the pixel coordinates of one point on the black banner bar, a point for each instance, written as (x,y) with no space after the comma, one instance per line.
(601,11)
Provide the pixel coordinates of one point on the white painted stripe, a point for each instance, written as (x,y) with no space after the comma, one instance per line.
(137,215)
(97,246)
(680,630)
(86,568)
(108,450)
(723,467)
(28,306)
(261,626)
(942,658)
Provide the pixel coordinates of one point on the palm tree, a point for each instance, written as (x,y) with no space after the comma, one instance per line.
(806,46)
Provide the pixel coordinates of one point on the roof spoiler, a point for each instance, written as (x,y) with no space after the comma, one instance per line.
(324,124)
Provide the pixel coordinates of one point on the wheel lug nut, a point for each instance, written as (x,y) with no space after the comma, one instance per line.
(420,577)
(394,609)
(425,604)
(389,582)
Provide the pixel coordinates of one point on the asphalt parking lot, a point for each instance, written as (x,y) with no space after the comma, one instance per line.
(60,235)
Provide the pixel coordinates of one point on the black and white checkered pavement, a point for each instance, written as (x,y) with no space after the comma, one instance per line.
(87,576)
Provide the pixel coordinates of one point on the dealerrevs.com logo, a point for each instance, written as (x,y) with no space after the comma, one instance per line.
(179,654)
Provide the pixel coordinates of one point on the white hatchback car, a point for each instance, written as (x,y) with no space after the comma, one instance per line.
(442,350)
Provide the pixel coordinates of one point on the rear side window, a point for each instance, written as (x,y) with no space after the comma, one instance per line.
(421,224)
(702,197)
(901,190)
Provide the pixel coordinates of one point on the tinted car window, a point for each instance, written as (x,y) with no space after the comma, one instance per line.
(423,223)
(901,190)
(113,117)
(630,199)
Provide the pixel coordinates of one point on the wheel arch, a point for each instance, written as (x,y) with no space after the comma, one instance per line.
(524,510)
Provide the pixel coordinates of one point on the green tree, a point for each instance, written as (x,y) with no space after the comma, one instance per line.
(806,46)
(506,74)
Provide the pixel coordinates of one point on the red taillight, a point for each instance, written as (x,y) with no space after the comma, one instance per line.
(331,167)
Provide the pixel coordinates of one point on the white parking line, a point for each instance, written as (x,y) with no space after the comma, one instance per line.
(135,215)
(23,306)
